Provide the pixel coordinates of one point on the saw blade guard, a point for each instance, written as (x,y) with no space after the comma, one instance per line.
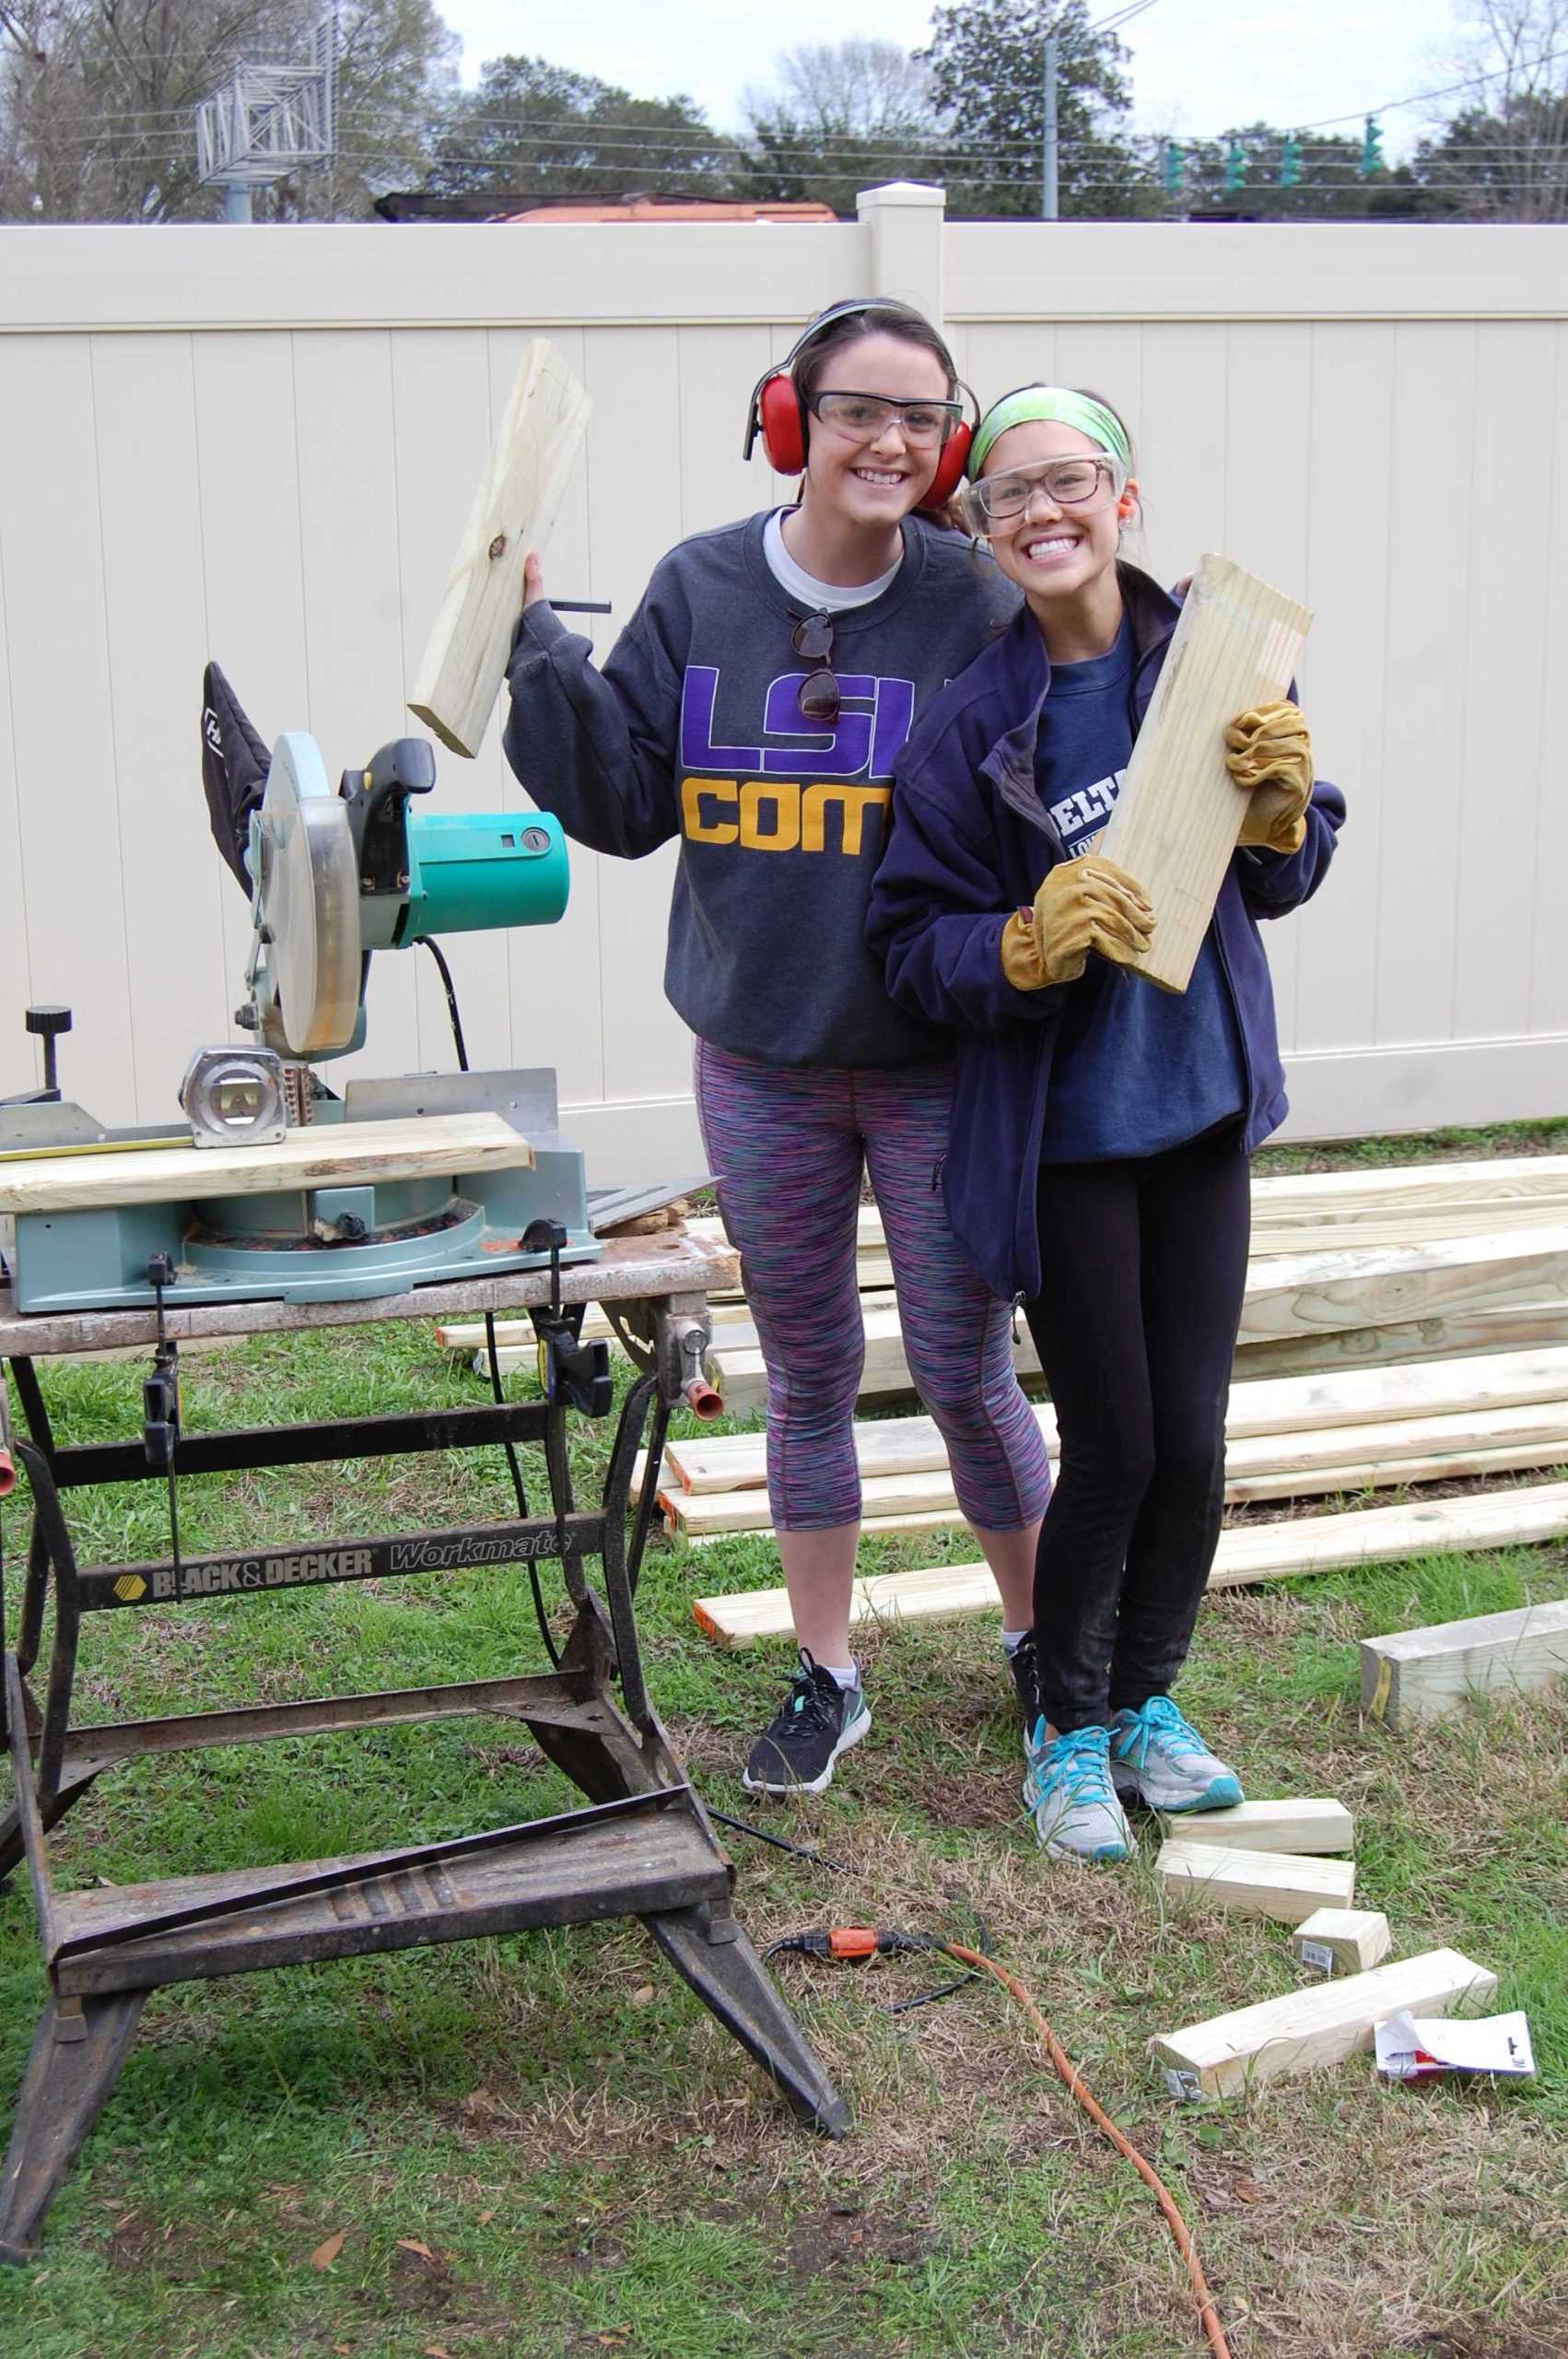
(308,965)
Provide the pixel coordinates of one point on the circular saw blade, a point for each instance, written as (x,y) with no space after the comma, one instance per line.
(309,902)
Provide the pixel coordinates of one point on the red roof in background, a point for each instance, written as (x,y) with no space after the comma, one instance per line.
(643,209)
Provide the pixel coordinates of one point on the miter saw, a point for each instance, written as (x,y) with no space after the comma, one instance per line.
(333,874)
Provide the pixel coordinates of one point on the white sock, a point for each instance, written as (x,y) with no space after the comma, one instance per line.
(1012,1639)
(847,1674)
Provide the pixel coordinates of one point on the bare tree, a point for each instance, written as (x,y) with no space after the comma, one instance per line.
(866,89)
(1502,155)
(842,116)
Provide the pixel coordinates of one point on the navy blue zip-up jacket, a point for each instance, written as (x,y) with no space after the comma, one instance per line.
(970,843)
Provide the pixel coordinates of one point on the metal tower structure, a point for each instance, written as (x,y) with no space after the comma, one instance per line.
(267,120)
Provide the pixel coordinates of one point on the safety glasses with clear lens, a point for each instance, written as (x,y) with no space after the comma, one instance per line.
(1065,483)
(865,417)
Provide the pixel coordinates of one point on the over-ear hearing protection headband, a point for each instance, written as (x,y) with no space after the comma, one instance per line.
(779,416)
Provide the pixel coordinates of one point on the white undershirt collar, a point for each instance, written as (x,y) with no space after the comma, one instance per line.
(817,597)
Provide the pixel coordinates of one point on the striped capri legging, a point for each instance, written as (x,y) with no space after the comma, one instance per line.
(788,1146)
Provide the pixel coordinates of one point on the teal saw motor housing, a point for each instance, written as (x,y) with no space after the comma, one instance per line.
(475,871)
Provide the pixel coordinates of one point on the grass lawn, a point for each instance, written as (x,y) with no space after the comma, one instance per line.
(543,2145)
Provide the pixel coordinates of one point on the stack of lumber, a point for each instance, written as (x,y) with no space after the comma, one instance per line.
(1316,1297)
(1287,1438)
(1350,1268)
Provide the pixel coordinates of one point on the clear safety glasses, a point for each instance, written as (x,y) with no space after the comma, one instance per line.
(865,417)
(1088,482)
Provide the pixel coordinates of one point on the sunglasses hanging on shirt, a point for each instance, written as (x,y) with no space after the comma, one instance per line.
(819,696)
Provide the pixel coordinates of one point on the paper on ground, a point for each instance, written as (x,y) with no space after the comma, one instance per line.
(1412,2047)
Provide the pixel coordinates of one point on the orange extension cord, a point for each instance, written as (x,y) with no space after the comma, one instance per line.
(1070,2079)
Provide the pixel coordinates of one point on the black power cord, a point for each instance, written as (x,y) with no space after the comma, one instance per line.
(498,1392)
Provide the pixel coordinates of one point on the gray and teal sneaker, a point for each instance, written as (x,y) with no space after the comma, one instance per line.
(1069,1794)
(818,1721)
(1159,1758)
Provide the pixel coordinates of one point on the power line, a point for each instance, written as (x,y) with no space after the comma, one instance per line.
(1470,82)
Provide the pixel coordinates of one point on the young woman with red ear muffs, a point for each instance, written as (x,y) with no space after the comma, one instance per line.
(752,709)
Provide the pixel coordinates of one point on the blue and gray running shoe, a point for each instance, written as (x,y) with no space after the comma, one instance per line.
(1159,1758)
(1069,1794)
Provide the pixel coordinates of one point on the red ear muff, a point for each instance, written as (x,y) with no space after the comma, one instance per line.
(781,422)
(950,469)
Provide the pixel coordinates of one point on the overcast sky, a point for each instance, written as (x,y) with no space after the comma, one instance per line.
(1196,66)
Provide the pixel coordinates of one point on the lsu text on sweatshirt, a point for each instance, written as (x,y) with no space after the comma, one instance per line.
(693,729)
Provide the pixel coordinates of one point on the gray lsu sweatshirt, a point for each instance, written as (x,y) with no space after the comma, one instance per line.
(693,729)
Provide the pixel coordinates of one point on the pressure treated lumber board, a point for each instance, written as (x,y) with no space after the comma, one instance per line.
(1410,1342)
(1381,1535)
(713,1462)
(1179,814)
(1281,1884)
(514,509)
(1250,1553)
(1268,1466)
(1312,1827)
(1348,1941)
(320,1155)
(1326,1482)
(1421,1674)
(1371,1286)
(1308,2029)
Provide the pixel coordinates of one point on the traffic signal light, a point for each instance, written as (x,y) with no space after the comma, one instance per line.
(1235,164)
(1371,148)
(1172,167)
(1290,162)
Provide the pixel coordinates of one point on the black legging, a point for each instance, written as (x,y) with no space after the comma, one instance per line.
(1145,1264)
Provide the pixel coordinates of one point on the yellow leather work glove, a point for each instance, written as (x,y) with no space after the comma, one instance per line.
(1268,753)
(1083,905)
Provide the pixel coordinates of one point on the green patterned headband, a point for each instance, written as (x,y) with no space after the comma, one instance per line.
(1056,404)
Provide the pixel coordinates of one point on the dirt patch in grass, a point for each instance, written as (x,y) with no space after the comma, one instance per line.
(1490,2342)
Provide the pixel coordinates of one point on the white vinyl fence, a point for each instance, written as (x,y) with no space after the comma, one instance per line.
(261,444)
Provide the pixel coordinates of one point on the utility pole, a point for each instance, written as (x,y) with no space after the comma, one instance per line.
(1048,171)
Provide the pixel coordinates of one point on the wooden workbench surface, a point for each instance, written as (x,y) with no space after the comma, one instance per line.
(629,1268)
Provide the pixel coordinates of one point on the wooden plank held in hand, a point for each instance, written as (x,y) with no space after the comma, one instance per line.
(1175,824)
(465,655)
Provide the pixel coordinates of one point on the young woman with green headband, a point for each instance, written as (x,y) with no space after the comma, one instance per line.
(1097,1163)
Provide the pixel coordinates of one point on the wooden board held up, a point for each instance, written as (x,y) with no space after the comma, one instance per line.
(1180,811)
(465,655)
(321,1155)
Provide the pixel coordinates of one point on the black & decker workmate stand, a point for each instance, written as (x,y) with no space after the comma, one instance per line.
(643,1846)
